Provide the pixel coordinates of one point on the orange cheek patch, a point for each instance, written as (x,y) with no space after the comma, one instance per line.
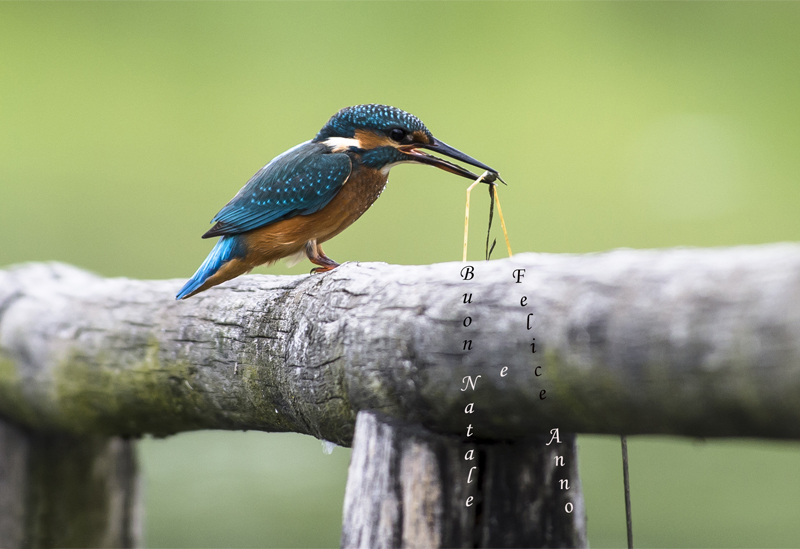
(371,140)
(421,137)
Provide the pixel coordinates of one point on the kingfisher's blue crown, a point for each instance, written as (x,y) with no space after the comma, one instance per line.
(370,117)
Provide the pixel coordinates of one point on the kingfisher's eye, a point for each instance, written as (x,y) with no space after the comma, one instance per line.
(397,134)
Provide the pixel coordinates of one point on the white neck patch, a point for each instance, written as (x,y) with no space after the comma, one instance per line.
(340,144)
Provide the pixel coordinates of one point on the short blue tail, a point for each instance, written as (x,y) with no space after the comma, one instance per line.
(224,251)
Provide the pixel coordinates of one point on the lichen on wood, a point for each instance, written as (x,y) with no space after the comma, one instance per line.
(702,342)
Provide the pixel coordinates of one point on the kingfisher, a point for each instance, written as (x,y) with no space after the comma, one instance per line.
(312,192)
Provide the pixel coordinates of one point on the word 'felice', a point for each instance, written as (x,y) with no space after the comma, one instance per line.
(529,320)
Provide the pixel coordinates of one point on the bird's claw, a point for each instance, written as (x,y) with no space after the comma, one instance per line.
(318,270)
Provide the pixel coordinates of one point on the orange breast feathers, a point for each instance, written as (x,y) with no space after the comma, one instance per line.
(289,236)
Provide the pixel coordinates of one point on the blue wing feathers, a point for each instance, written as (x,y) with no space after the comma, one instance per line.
(301,181)
(226,249)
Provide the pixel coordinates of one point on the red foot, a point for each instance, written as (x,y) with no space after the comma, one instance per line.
(325,269)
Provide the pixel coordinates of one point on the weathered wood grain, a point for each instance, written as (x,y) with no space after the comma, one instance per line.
(702,342)
(58,490)
(409,488)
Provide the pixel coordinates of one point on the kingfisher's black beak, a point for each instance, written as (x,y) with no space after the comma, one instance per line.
(446,150)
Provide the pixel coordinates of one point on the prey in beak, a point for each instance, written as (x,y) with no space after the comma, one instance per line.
(418,156)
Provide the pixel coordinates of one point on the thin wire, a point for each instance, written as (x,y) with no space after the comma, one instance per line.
(627,482)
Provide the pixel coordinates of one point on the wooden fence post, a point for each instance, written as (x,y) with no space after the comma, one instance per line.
(59,490)
(407,487)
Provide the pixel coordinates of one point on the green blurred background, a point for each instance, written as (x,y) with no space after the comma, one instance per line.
(124,127)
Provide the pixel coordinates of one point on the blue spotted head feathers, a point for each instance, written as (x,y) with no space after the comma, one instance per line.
(376,118)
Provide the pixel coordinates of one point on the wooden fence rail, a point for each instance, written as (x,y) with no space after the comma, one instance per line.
(695,342)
